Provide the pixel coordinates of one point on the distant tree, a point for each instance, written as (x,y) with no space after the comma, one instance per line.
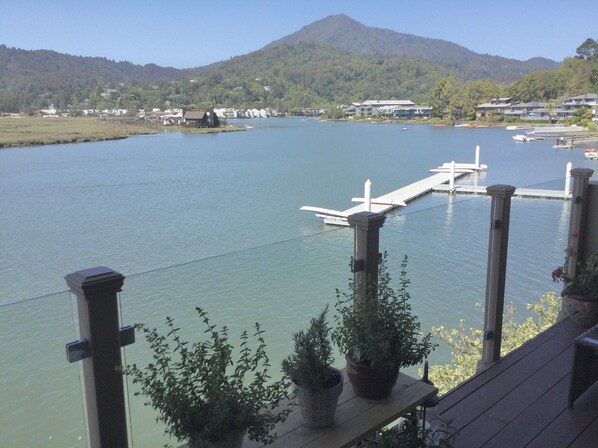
(588,50)
(441,95)
(8,102)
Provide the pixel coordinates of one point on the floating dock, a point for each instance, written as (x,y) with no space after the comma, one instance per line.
(521,192)
(447,172)
(442,181)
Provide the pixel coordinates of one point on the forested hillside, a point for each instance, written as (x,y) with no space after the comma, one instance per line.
(332,62)
(345,33)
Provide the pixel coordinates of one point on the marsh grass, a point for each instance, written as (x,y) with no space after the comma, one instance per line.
(30,131)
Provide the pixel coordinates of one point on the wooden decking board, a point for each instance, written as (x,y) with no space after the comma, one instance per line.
(589,437)
(454,397)
(509,407)
(505,381)
(564,430)
(527,426)
(521,401)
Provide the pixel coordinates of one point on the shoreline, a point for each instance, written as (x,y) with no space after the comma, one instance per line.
(20,132)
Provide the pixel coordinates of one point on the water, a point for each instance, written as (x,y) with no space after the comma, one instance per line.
(231,201)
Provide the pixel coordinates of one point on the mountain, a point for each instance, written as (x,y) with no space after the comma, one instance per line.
(335,60)
(342,32)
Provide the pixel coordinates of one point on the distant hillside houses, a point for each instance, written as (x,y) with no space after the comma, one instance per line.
(536,110)
(396,109)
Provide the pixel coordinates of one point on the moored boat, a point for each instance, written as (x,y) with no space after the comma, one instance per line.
(591,153)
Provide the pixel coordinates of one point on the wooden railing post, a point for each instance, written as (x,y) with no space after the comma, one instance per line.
(96,290)
(496,273)
(581,180)
(366,253)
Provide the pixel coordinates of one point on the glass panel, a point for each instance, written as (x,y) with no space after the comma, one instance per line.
(42,402)
(283,285)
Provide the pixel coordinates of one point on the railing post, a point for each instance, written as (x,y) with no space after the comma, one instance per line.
(366,253)
(496,274)
(581,180)
(96,291)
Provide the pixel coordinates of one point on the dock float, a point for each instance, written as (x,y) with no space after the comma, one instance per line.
(521,192)
(447,172)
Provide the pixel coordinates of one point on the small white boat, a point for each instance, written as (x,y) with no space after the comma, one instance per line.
(591,153)
(523,138)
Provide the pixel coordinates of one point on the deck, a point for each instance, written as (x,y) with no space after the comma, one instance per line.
(521,401)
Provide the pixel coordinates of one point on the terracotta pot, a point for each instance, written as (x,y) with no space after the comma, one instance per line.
(582,310)
(318,408)
(370,383)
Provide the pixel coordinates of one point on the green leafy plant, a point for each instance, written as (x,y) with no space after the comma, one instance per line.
(382,331)
(466,343)
(584,282)
(201,393)
(408,434)
(309,366)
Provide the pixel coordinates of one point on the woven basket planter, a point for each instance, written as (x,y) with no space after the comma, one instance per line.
(318,408)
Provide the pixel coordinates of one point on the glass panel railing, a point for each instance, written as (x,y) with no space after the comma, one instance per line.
(281,286)
(41,392)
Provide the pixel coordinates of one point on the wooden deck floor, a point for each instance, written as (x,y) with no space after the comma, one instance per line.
(521,401)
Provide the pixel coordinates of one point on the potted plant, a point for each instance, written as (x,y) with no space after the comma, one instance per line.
(317,384)
(580,292)
(202,395)
(380,335)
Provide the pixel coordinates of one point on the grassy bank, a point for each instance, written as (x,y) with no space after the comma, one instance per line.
(33,131)
(29,131)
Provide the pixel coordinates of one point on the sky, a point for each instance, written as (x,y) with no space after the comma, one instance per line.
(200,32)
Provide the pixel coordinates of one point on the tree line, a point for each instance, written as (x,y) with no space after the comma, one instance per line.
(303,75)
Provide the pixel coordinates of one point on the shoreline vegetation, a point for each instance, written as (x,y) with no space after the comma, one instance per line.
(37,131)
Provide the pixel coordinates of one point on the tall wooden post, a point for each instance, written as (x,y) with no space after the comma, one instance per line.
(96,291)
(497,270)
(366,254)
(581,180)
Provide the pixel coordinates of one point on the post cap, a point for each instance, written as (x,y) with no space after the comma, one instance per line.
(95,282)
(582,173)
(500,190)
(366,220)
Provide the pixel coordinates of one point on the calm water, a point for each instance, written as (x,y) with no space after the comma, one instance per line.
(214,221)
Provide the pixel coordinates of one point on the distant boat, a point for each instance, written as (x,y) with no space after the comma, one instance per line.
(512,128)
(523,138)
(403,129)
(591,153)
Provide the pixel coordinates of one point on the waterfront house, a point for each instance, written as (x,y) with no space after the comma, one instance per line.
(528,111)
(572,104)
(494,107)
(397,109)
(198,118)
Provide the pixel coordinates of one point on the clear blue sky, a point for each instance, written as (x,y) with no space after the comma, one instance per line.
(194,33)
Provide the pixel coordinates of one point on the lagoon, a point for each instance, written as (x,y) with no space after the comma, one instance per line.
(214,221)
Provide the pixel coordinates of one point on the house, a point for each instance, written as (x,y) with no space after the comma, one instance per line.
(495,106)
(198,118)
(528,111)
(398,109)
(572,104)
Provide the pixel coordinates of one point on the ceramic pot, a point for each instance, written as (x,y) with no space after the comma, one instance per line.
(371,383)
(318,408)
(581,309)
